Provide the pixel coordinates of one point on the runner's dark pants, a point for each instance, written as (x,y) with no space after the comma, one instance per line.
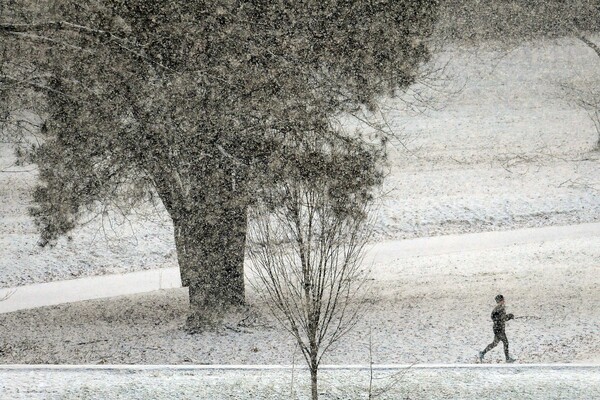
(499,336)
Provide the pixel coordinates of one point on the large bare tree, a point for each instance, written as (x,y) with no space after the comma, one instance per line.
(194,101)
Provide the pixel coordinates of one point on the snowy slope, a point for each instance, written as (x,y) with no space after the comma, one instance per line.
(503,152)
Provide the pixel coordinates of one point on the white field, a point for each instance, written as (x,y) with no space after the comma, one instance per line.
(413,383)
(425,309)
(504,153)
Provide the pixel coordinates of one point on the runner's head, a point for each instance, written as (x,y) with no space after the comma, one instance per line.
(499,299)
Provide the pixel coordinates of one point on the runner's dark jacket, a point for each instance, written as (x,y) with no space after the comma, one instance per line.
(499,317)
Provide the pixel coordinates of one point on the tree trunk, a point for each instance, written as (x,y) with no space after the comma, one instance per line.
(210,240)
(314,369)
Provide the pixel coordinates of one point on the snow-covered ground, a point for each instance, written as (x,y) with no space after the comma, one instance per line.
(504,153)
(385,252)
(424,309)
(413,383)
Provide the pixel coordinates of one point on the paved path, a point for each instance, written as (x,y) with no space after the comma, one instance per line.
(384,252)
(96,287)
(224,382)
(270,367)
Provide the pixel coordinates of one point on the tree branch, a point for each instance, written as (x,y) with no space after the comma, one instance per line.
(8,28)
(590,44)
(30,82)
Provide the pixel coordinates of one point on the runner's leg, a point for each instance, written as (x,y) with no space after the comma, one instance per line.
(502,337)
(491,345)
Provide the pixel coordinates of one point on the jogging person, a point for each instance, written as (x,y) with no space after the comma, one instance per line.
(499,317)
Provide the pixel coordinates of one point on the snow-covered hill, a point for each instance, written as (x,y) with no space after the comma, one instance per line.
(503,150)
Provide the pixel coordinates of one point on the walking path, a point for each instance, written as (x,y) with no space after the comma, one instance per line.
(384,252)
(222,382)
(95,287)
(265,367)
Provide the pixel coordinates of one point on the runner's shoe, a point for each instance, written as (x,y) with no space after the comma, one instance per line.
(481,354)
(510,360)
